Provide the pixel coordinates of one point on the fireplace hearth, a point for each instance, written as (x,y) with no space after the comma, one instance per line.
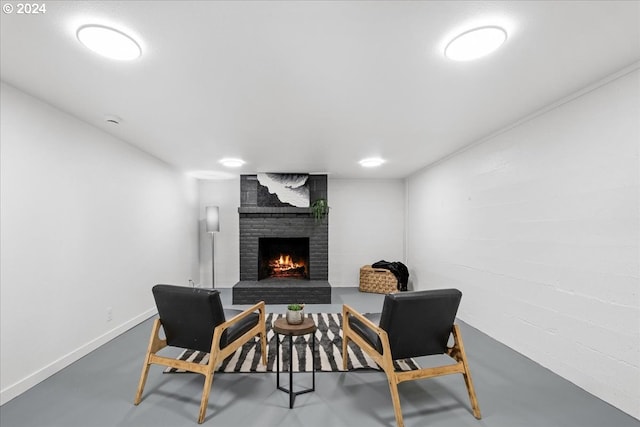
(282,291)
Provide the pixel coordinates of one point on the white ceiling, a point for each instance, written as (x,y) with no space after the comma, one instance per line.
(314,86)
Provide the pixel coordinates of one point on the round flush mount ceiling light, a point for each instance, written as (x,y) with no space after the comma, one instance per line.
(109,42)
(232,162)
(475,43)
(371,162)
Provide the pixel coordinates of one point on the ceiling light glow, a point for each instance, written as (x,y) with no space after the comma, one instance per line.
(109,42)
(371,162)
(475,43)
(232,162)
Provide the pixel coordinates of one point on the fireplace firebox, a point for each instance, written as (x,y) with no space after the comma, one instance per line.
(286,258)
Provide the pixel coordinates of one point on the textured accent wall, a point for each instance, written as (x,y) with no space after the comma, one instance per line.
(257,221)
(538,226)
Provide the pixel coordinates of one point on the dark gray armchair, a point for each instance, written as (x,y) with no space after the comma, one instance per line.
(412,324)
(193,318)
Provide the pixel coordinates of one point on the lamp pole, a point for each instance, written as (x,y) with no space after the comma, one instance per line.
(213,225)
(213,262)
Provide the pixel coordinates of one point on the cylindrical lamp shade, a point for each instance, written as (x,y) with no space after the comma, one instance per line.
(213,219)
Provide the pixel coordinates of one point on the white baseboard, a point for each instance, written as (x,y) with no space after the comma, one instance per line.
(25,384)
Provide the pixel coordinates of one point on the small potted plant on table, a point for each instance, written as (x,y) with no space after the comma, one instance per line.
(295,314)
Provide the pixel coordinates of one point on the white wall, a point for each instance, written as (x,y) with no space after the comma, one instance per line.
(539,227)
(366,224)
(88,223)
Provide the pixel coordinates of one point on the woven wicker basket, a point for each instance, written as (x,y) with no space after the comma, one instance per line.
(377,280)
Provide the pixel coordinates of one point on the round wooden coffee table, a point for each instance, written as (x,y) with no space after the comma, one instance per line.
(281,327)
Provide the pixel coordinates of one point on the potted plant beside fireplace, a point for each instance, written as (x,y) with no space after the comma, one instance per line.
(320,209)
(295,314)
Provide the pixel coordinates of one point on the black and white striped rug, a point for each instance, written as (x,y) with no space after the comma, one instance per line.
(328,351)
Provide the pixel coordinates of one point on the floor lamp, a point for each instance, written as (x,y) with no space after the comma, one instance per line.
(213,225)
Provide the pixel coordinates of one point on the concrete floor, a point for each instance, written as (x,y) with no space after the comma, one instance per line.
(512,390)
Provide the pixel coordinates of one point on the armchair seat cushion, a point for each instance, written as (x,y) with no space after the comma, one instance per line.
(365,332)
(239,328)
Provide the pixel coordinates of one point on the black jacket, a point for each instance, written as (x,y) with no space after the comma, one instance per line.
(398,269)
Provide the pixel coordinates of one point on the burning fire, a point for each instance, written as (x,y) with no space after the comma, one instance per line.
(285,266)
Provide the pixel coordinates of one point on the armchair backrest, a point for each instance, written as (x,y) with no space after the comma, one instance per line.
(419,322)
(189,315)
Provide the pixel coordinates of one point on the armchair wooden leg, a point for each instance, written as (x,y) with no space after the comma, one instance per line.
(345,353)
(467,373)
(345,339)
(472,396)
(263,333)
(155,343)
(208,382)
(143,380)
(395,398)
(263,347)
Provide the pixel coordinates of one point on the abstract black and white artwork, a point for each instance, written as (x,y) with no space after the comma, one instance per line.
(290,189)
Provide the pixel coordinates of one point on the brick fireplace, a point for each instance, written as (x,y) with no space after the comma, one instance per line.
(279,229)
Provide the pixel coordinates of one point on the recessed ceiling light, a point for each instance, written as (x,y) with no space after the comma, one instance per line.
(371,162)
(475,43)
(232,163)
(211,175)
(109,42)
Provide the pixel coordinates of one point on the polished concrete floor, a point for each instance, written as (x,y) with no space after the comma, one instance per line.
(512,390)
